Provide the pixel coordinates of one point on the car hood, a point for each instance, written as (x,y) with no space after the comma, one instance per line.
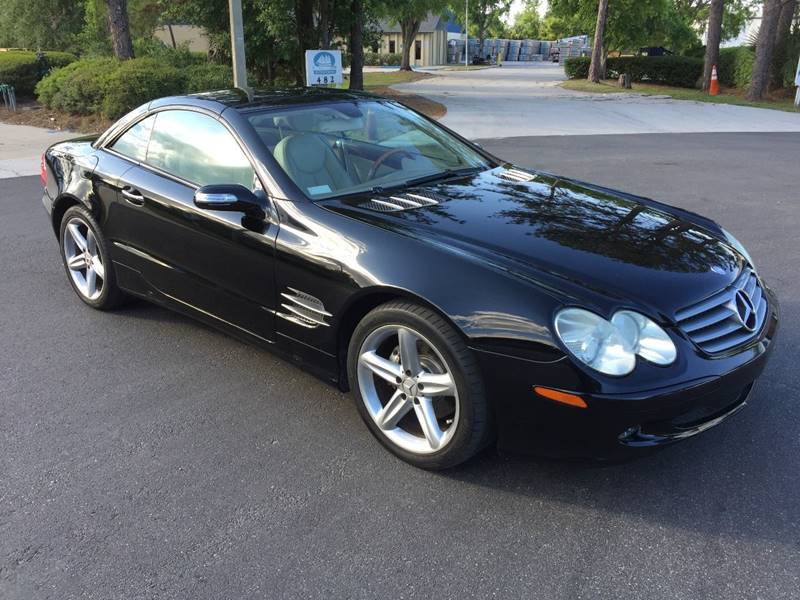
(624,247)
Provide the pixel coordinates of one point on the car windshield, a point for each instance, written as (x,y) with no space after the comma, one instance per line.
(347,147)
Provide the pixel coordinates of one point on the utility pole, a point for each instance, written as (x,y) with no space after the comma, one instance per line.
(466,35)
(237,47)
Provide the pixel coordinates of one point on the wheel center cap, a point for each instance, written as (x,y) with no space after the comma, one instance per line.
(409,386)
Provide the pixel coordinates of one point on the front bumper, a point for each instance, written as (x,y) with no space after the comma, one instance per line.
(616,425)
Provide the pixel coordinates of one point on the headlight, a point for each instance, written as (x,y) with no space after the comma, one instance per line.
(737,245)
(611,347)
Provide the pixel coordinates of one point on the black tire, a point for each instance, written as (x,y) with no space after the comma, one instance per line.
(110,295)
(474,429)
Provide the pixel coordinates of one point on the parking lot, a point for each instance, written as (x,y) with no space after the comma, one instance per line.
(146,456)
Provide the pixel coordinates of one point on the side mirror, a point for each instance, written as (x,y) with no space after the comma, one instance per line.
(231,197)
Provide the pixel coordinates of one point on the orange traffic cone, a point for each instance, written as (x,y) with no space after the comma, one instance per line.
(713,89)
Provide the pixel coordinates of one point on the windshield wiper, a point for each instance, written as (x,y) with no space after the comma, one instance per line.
(441,175)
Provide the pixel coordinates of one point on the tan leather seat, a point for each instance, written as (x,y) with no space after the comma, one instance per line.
(312,164)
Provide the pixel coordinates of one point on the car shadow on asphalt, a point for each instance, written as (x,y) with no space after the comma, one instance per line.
(738,479)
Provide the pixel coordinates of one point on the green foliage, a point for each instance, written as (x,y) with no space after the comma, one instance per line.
(38,24)
(109,86)
(528,24)
(207,77)
(486,17)
(24,69)
(78,88)
(678,71)
(577,67)
(735,66)
(375,59)
(180,57)
(138,81)
(743,69)
(632,24)
(694,13)
(790,63)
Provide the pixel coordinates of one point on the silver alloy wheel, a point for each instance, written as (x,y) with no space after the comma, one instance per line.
(400,372)
(83,259)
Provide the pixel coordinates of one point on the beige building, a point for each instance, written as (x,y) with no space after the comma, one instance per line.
(195,38)
(430,45)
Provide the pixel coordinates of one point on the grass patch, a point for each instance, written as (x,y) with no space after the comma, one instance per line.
(380,79)
(727,96)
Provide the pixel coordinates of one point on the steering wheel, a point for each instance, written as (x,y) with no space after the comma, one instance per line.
(386,156)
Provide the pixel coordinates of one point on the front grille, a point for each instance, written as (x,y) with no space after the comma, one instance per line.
(725,320)
(400,202)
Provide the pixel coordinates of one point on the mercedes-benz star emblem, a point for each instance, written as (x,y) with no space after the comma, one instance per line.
(745,310)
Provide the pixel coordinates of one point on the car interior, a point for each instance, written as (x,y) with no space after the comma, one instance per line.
(349,147)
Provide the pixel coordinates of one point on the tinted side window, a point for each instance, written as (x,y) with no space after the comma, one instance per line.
(133,143)
(197,148)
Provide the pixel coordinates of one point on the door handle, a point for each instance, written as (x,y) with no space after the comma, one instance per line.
(133,196)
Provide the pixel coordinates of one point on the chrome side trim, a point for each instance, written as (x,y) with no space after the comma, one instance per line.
(303,309)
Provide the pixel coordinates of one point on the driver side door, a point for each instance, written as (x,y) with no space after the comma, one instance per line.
(217,265)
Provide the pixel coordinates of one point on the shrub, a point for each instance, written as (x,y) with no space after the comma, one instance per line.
(678,71)
(24,69)
(137,81)
(577,67)
(209,76)
(79,87)
(743,70)
(180,57)
(375,59)
(735,66)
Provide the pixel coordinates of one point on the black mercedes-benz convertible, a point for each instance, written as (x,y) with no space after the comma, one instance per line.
(462,299)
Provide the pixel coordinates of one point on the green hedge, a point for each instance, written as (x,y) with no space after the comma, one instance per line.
(577,67)
(24,69)
(678,71)
(109,86)
(376,59)
(735,66)
(138,81)
(79,87)
(208,76)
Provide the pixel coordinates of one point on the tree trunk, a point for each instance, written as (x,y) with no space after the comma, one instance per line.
(304,15)
(325,24)
(408,31)
(783,29)
(120,30)
(357,46)
(764,50)
(714,36)
(597,66)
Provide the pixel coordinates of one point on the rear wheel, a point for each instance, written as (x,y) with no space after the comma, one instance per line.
(417,386)
(86,259)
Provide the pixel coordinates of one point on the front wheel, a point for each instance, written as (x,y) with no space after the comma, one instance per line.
(417,386)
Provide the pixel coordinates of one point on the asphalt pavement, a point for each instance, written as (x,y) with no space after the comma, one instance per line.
(143,455)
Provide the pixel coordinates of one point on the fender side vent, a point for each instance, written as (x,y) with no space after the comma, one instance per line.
(406,201)
(303,309)
(516,175)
